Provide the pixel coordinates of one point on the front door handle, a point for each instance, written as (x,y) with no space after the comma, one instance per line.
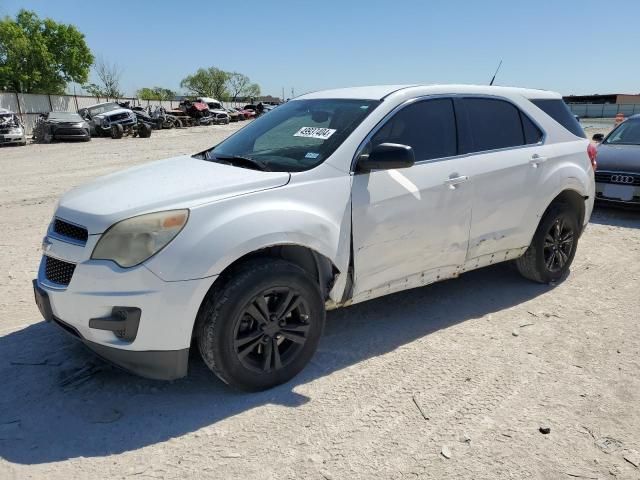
(452,181)
(537,160)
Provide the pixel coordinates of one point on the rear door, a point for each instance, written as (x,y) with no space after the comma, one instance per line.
(411,226)
(508,155)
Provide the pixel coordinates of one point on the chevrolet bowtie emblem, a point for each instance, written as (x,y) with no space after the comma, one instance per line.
(46,244)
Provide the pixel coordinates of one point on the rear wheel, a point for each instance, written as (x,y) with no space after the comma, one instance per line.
(553,247)
(262,326)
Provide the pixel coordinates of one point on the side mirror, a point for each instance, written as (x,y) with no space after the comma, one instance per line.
(387,156)
(598,137)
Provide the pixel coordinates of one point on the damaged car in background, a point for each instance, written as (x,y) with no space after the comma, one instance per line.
(111,119)
(331,199)
(61,126)
(12,130)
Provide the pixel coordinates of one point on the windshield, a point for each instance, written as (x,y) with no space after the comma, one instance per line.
(296,136)
(627,133)
(105,107)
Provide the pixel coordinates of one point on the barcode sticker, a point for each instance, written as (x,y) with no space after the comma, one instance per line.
(315,132)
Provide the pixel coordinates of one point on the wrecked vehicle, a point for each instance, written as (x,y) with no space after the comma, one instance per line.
(11,129)
(61,126)
(111,119)
(332,199)
(220,114)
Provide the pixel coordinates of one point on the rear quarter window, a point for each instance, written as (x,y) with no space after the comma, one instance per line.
(558,110)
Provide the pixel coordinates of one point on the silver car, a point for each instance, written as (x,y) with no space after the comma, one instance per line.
(11,128)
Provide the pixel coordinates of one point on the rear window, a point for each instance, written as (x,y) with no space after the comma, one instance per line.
(558,110)
(493,124)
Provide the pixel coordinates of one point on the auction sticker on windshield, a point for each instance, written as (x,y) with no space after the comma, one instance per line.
(315,132)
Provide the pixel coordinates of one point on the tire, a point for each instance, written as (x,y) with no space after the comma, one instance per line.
(144,130)
(117,131)
(550,254)
(247,350)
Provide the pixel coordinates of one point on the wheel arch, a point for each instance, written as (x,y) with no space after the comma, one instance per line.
(318,266)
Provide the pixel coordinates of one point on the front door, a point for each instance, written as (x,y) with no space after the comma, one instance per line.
(411,226)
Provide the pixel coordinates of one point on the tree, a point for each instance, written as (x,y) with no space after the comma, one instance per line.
(155,93)
(41,56)
(252,91)
(209,82)
(109,75)
(237,84)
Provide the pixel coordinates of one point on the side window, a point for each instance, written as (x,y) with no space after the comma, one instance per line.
(558,110)
(428,126)
(492,124)
(532,134)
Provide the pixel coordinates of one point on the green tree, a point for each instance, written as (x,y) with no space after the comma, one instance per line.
(155,93)
(109,77)
(237,85)
(209,82)
(252,91)
(41,56)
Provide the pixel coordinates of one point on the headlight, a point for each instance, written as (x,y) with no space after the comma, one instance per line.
(16,131)
(132,241)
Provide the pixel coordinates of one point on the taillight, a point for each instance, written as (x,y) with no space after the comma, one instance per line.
(592,151)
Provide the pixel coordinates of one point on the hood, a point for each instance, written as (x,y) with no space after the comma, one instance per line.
(181,182)
(624,158)
(113,112)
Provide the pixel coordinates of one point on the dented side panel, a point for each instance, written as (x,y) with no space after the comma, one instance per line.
(409,221)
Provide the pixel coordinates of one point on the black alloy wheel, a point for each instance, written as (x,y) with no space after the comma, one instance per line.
(558,245)
(272,330)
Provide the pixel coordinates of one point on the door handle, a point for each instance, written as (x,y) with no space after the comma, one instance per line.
(451,182)
(537,160)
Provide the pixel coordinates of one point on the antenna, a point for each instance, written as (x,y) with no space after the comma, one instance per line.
(494,75)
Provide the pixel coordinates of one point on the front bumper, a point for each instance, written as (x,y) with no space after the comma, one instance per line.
(618,194)
(159,345)
(7,139)
(71,134)
(157,365)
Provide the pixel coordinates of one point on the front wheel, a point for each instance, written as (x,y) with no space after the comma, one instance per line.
(262,326)
(553,247)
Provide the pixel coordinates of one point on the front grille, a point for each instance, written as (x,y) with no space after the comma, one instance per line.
(118,116)
(58,271)
(72,131)
(4,130)
(70,230)
(614,177)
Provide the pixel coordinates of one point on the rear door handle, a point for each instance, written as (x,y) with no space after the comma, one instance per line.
(451,182)
(537,160)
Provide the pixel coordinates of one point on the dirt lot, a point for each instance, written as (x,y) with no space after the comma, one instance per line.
(468,369)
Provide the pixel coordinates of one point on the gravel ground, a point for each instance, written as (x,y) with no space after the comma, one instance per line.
(453,380)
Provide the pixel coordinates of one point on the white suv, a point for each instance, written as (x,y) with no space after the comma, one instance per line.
(333,198)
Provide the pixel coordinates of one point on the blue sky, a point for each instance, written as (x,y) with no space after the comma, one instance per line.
(569,46)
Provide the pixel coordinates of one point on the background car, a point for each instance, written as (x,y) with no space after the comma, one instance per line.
(618,173)
(248,114)
(102,116)
(61,126)
(11,129)
(234,116)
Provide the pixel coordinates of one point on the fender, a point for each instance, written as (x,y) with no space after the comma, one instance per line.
(560,176)
(222,232)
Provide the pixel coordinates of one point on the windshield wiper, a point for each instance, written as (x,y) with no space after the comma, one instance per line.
(239,159)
